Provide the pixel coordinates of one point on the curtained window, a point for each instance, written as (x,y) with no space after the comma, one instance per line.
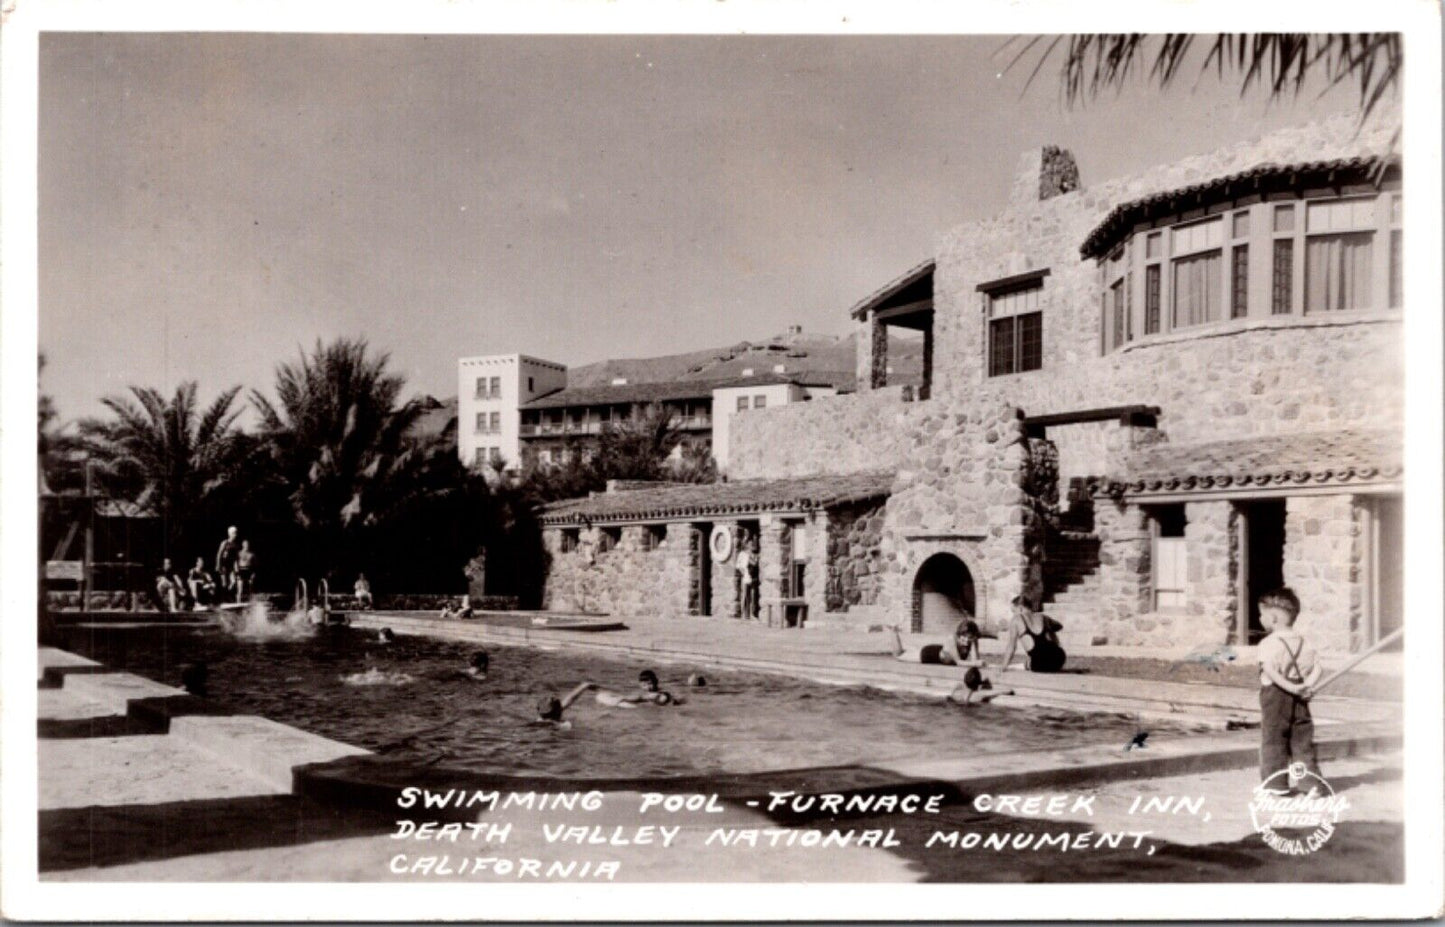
(1337,272)
(1197,289)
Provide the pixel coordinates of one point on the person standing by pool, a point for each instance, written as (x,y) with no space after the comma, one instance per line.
(245,571)
(226,559)
(1040,637)
(747,570)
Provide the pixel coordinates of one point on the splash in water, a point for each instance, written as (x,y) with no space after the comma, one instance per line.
(377,677)
(256,623)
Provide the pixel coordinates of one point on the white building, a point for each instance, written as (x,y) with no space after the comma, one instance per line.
(490,389)
(769,393)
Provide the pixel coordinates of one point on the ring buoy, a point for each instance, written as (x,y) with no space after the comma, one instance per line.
(721,543)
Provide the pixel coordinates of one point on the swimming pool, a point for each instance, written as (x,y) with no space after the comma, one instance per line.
(410,699)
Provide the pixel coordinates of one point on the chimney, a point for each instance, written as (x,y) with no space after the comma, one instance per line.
(1044,173)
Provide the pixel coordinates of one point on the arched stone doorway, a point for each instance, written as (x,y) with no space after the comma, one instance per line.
(942,594)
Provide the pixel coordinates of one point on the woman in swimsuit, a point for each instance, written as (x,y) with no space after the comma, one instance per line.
(1039,635)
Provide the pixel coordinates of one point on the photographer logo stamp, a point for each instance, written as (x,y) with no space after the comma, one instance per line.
(1296,820)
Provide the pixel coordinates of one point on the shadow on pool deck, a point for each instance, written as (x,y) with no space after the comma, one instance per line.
(93,836)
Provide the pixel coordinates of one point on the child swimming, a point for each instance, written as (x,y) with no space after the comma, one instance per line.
(651,694)
(974,683)
(550,708)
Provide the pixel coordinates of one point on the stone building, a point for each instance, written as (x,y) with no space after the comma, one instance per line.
(1144,402)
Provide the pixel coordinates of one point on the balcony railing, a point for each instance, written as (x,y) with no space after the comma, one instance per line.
(567,429)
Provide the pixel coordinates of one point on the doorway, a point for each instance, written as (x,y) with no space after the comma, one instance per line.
(701,594)
(1261,558)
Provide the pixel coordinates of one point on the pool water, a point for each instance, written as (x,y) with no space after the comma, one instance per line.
(410,699)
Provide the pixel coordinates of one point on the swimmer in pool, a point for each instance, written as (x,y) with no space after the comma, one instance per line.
(385,636)
(550,708)
(953,652)
(976,690)
(650,693)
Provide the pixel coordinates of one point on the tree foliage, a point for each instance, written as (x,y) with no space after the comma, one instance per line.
(178,459)
(1283,63)
(338,446)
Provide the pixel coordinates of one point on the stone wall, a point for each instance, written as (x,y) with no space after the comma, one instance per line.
(851,538)
(961,492)
(831,434)
(627,580)
(1321,554)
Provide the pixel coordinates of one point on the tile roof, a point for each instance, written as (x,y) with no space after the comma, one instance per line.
(1319,459)
(800,494)
(1258,179)
(676,389)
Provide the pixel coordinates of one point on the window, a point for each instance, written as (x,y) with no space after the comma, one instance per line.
(531,385)
(496,388)
(1196,289)
(1337,271)
(760,402)
(1282,277)
(1196,282)
(494,456)
(570,539)
(496,421)
(479,456)
(1239,282)
(608,539)
(1116,298)
(544,457)
(481,423)
(742,403)
(1151,299)
(653,536)
(481,388)
(1015,331)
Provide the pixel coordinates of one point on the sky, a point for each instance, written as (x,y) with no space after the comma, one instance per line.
(212,204)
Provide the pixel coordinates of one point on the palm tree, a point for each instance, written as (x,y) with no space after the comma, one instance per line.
(176,458)
(1283,62)
(340,446)
(637,448)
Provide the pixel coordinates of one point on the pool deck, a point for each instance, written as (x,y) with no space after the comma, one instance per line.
(864,658)
(128,765)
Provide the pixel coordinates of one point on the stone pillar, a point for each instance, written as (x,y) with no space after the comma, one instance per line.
(1319,556)
(772,560)
(1213,567)
(1125,580)
(820,566)
(724,581)
(878,354)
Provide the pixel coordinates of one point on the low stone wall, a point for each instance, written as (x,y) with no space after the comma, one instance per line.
(831,434)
